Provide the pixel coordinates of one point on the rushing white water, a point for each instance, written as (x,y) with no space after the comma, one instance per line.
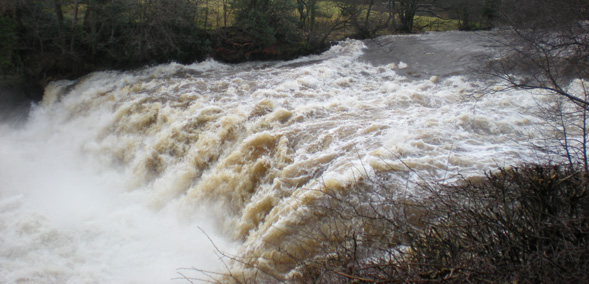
(67,217)
(113,174)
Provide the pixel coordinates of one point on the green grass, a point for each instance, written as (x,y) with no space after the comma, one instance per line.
(425,23)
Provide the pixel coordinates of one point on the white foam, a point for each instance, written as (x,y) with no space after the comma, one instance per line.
(64,218)
(109,179)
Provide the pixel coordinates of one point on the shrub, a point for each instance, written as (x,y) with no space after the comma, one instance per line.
(528,224)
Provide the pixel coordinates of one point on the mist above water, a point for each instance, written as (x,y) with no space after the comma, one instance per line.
(113,174)
(66,217)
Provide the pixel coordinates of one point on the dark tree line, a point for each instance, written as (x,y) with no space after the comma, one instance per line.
(471,14)
(71,37)
(53,39)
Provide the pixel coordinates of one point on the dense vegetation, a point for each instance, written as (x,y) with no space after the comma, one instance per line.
(44,40)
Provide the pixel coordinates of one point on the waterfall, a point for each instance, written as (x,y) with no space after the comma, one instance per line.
(125,177)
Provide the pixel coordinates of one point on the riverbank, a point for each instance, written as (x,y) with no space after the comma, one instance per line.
(226,46)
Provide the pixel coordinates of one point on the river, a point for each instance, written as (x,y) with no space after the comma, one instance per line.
(126,177)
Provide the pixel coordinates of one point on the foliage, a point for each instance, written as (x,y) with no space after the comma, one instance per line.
(67,38)
(267,22)
(9,39)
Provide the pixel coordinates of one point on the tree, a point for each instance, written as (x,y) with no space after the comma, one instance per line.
(9,39)
(548,51)
(307,10)
(267,22)
(471,14)
(406,10)
(366,17)
(67,38)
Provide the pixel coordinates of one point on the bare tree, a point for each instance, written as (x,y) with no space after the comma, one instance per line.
(547,50)
(406,10)
(366,17)
(527,224)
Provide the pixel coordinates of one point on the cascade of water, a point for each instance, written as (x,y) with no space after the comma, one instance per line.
(113,174)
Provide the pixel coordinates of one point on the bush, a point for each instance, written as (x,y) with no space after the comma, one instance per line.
(524,225)
(519,225)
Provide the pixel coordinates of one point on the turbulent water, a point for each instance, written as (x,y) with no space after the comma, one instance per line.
(126,177)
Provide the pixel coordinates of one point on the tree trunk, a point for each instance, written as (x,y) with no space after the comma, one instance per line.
(465,22)
(407,11)
(74,25)
(60,24)
(366,20)
(90,26)
(312,14)
(392,12)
